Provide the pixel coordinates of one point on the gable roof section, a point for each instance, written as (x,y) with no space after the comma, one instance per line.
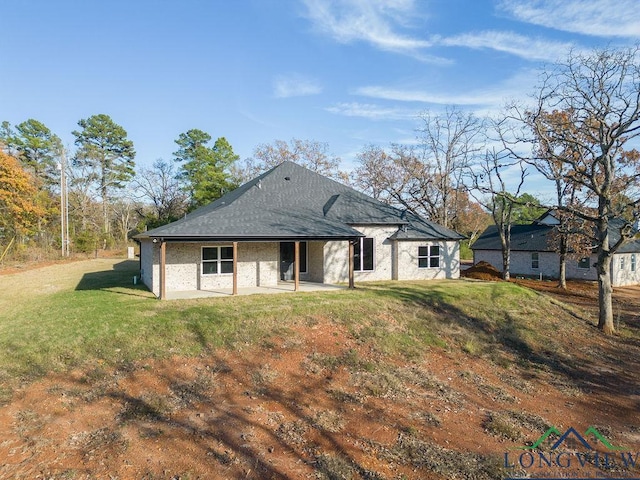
(289,202)
(417,228)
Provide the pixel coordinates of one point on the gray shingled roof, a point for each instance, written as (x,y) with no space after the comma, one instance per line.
(632,246)
(529,238)
(535,238)
(289,202)
(418,228)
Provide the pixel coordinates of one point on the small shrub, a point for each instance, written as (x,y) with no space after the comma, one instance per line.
(501,425)
(333,467)
(329,421)
(293,433)
(148,407)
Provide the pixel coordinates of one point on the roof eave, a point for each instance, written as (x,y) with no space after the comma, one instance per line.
(248,238)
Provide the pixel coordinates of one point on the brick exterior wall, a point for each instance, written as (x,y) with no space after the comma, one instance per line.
(257,266)
(327,262)
(624,271)
(394,260)
(149,269)
(336,262)
(315,262)
(521,264)
(408,268)
(549,266)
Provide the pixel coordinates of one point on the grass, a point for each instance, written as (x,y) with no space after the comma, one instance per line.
(353,355)
(90,313)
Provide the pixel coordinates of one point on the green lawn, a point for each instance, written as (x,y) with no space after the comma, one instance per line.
(65,316)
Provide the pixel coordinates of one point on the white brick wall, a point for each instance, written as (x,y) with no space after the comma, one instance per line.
(149,258)
(549,266)
(315,262)
(622,274)
(258,263)
(382,253)
(257,266)
(393,260)
(575,273)
(336,262)
(408,268)
(336,256)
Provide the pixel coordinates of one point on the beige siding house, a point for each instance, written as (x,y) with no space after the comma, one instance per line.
(252,236)
(533,254)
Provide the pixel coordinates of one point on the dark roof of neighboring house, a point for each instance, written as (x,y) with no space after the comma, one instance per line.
(632,246)
(535,238)
(289,202)
(615,227)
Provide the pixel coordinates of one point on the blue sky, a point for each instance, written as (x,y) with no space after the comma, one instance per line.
(349,72)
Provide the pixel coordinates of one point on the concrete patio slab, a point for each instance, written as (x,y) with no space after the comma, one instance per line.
(282,287)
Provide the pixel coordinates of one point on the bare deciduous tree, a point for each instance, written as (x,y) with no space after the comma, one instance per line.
(425,179)
(125,217)
(160,187)
(488,185)
(471,218)
(595,100)
(449,142)
(311,154)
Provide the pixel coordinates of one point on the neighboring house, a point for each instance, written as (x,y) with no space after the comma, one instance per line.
(533,253)
(251,236)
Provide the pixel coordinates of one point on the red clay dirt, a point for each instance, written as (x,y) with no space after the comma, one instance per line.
(310,405)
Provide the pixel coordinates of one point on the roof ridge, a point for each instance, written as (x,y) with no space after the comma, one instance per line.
(291,199)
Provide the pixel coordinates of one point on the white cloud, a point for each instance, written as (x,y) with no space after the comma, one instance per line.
(295,85)
(483,101)
(376,22)
(528,48)
(423,96)
(601,18)
(371,111)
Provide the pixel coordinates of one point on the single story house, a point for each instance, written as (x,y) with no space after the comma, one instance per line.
(290,225)
(534,254)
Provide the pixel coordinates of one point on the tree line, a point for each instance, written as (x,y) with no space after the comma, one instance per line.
(109,199)
(463,171)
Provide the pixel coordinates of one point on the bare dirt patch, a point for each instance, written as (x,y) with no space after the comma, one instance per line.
(319,404)
(482,271)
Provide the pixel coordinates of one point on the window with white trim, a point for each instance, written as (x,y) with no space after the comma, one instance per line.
(633,262)
(535,260)
(622,262)
(584,263)
(217,260)
(429,256)
(363,259)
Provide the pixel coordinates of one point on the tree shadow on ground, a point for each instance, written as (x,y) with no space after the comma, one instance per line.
(239,423)
(119,280)
(588,371)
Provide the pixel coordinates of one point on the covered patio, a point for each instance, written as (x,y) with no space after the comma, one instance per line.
(232,284)
(282,287)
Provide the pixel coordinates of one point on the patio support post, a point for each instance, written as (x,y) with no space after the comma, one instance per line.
(235,268)
(351,256)
(296,263)
(163,270)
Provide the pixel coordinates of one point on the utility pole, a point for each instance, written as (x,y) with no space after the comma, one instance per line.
(64,206)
